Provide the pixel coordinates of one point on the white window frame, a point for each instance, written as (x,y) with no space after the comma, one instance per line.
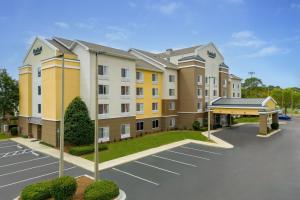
(172,123)
(127,108)
(199,106)
(105,90)
(156,78)
(155,105)
(156,127)
(155,94)
(127,131)
(105,108)
(170,93)
(104,70)
(140,95)
(104,130)
(199,91)
(172,105)
(39,110)
(126,90)
(141,79)
(199,79)
(126,78)
(172,78)
(141,106)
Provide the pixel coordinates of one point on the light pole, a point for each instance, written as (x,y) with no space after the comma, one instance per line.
(208,118)
(251,75)
(96,159)
(62,124)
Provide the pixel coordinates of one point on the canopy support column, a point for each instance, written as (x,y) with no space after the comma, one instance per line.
(263,124)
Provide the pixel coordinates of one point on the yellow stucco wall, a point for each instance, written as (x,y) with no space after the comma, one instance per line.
(271,105)
(25,87)
(51,87)
(148,99)
(235,111)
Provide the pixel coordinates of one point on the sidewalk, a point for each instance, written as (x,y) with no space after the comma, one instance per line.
(89,165)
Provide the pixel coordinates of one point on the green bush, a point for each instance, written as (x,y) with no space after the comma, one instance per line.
(274,126)
(78,125)
(101,190)
(63,188)
(196,125)
(37,191)
(14,131)
(82,150)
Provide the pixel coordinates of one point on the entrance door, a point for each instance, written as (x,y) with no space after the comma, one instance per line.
(39,132)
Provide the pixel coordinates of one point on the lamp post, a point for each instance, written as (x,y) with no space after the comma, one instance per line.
(251,75)
(208,118)
(62,124)
(96,158)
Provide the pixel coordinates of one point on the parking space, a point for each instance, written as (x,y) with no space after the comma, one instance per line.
(20,166)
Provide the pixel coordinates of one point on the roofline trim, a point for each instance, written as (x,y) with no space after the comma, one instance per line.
(268,99)
(213,101)
(63,44)
(181,61)
(243,107)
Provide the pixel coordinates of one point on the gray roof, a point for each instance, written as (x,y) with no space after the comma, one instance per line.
(197,57)
(178,51)
(111,51)
(232,76)
(157,58)
(60,47)
(223,65)
(141,64)
(64,41)
(239,102)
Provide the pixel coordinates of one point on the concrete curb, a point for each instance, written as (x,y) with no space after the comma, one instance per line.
(269,135)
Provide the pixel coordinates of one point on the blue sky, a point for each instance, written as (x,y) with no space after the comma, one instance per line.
(253,35)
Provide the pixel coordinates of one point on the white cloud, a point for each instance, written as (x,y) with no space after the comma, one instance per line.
(268,51)
(116,33)
(62,24)
(88,24)
(295,5)
(168,8)
(246,39)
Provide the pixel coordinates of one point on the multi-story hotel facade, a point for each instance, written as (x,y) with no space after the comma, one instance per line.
(139,92)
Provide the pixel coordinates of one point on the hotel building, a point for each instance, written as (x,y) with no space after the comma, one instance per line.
(139,92)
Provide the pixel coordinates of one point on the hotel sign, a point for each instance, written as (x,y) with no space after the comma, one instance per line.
(211,54)
(37,51)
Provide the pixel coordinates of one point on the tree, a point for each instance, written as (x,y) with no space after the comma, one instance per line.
(9,94)
(252,83)
(78,125)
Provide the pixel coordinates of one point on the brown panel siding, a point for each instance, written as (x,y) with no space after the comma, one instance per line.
(165,107)
(49,132)
(25,127)
(148,125)
(185,120)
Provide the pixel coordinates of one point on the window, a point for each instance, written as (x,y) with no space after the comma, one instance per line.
(154,92)
(155,107)
(206,79)
(238,94)
(171,92)
(199,79)
(155,123)
(238,86)
(206,104)
(125,90)
(125,73)
(225,93)
(125,107)
(103,89)
(39,108)
(140,76)
(206,93)
(172,123)
(103,109)
(140,108)
(139,92)
(102,70)
(199,105)
(214,81)
(154,78)
(125,130)
(225,83)
(199,91)
(39,90)
(215,92)
(140,126)
(39,72)
(171,78)
(172,106)
(103,134)
(233,94)
(233,85)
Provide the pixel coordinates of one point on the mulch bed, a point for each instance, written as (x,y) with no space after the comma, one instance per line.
(82,183)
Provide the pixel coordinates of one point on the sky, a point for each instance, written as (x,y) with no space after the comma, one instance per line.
(260,36)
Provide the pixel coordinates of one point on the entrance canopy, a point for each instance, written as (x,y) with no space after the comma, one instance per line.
(243,106)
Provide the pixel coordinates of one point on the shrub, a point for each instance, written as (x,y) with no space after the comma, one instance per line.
(81,150)
(101,190)
(196,125)
(63,188)
(203,129)
(78,125)
(37,191)
(14,131)
(275,126)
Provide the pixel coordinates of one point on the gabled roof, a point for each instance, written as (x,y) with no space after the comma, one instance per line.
(171,52)
(240,102)
(66,42)
(194,57)
(223,65)
(232,76)
(141,64)
(157,58)
(60,47)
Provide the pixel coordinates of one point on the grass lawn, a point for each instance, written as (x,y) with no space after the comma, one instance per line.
(4,136)
(246,119)
(126,147)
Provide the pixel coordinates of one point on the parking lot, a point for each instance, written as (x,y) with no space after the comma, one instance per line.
(20,166)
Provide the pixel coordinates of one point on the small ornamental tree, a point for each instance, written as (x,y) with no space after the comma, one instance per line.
(78,125)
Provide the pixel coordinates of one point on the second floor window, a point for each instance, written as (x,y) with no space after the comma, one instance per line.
(125,73)
(199,79)
(103,89)
(139,76)
(171,78)
(102,70)
(139,107)
(39,90)
(125,107)
(103,109)
(125,90)
(171,92)
(154,106)
(139,91)
(155,92)
(172,106)
(154,78)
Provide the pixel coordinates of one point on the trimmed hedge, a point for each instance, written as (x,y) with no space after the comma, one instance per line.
(63,188)
(101,190)
(37,191)
(82,150)
(196,125)
(274,126)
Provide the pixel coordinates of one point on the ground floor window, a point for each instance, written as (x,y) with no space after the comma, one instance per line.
(140,126)
(103,134)
(155,123)
(125,130)
(172,123)
(39,108)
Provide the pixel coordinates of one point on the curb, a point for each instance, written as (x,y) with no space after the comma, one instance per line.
(269,135)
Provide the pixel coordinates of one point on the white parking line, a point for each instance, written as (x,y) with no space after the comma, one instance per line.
(155,167)
(10,142)
(15,153)
(28,169)
(10,184)
(190,155)
(137,177)
(176,161)
(24,161)
(12,146)
(34,153)
(201,150)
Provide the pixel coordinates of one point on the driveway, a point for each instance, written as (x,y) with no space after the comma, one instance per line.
(257,168)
